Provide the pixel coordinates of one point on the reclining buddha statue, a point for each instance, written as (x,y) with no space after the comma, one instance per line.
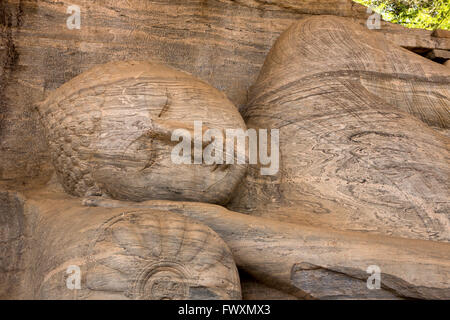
(362,180)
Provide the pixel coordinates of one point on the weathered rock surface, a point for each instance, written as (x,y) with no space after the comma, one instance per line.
(13,243)
(333,47)
(349,159)
(109,132)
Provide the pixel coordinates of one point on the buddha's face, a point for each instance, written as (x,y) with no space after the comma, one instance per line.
(137,162)
(123,131)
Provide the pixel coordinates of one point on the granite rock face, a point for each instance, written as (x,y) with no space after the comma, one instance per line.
(362,186)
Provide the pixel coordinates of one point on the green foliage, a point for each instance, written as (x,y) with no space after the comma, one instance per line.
(425,14)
